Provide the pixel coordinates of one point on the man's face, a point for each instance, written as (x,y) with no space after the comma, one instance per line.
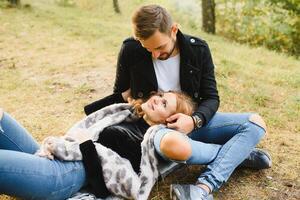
(161,45)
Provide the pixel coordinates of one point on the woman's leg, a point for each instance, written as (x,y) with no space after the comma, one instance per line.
(28,176)
(13,136)
(31,177)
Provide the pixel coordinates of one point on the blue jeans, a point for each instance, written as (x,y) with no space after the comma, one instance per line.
(222,144)
(28,176)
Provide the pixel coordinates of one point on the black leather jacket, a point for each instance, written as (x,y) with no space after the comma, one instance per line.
(135,70)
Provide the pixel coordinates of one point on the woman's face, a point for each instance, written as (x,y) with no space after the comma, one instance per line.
(159,107)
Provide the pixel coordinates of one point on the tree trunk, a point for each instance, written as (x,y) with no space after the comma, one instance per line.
(14,2)
(208,16)
(116,6)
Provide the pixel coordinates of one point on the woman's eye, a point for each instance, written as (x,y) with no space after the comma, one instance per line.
(165,104)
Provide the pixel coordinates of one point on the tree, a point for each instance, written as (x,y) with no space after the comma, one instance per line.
(14,2)
(208,16)
(293,8)
(116,6)
(290,5)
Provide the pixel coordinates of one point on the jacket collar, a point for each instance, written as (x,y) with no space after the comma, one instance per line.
(187,58)
(186,53)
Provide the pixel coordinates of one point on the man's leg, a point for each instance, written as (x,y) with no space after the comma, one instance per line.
(238,134)
(175,146)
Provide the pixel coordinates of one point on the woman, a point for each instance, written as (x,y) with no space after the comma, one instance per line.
(28,176)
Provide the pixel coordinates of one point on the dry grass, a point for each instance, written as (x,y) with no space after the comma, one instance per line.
(54,60)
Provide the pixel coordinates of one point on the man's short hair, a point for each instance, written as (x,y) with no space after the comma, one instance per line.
(147,19)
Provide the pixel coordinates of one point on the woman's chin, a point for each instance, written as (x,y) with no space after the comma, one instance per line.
(143,106)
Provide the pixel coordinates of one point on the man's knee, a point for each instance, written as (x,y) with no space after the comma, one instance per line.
(175,146)
(258,120)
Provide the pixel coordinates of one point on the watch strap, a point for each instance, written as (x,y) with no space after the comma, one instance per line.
(197,121)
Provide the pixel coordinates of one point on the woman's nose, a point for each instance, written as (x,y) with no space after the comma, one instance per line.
(157,100)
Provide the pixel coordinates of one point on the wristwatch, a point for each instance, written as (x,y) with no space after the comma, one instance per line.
(197,121)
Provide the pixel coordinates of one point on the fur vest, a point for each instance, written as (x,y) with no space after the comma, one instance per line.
(119,176)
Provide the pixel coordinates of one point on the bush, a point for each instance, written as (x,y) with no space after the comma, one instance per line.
(260,22)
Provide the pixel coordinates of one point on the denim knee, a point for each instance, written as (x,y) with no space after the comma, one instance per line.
(1,116)
(258,121)
(256,125)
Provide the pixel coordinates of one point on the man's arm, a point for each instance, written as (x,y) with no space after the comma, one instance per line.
(122,78)
(209,102)
(108,100)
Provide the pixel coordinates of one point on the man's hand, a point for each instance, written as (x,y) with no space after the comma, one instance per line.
(181,122)
(126,95)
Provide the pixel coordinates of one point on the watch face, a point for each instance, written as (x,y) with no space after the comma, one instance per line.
(198,122)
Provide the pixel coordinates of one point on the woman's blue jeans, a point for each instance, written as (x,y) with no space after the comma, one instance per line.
(28,176)
(222,144)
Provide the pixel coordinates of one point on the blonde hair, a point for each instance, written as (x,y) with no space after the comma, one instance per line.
(150,18)
(185,104)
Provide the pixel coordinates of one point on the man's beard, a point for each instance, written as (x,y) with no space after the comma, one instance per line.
(165,56)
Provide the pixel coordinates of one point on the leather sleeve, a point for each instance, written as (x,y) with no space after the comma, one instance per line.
(108,100)
(122,78)
(209,102)
(93,169)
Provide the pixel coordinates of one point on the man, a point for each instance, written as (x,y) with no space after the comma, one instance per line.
(161,58)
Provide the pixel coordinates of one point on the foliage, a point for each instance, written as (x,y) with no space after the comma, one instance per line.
(274,24)
(290,5)
(10,3)
(15,2)
(65,3)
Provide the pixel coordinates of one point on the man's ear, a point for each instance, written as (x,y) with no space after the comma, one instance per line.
(174,30)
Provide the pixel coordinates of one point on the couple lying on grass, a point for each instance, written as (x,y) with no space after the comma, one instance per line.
(111,151)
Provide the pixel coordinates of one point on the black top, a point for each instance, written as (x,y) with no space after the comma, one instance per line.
(124,138)
(135,70)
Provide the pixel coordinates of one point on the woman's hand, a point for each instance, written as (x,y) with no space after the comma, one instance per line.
(181,122)
(47,148)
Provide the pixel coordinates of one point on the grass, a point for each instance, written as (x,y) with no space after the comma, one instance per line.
(54,60)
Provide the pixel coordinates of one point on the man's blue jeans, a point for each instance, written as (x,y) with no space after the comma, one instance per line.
(28,176)
(222,144)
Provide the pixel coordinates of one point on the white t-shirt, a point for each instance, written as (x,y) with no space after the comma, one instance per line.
(167,73)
